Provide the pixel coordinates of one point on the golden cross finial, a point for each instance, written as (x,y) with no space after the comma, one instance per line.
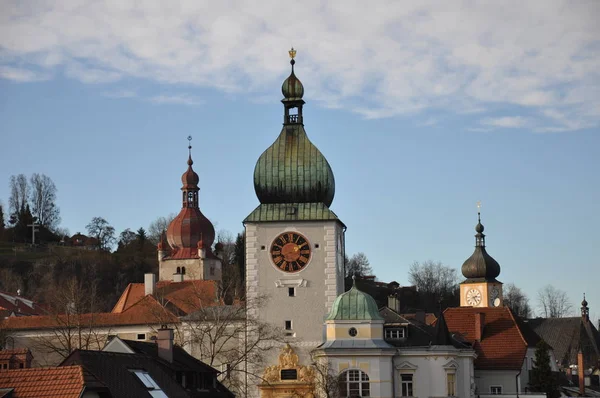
(478,206)
(292,53)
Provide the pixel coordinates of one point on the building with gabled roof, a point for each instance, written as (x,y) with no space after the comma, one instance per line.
(17,305)
(505,347)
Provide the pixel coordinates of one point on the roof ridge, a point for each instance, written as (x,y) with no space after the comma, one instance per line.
(517,326)
(123,299)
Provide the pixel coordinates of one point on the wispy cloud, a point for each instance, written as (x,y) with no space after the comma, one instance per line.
(121,94)
(182,99)
(506,122)
(21,75)
(393,59)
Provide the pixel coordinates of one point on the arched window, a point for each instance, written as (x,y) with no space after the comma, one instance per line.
(182,270)
(178,270)
(354,383)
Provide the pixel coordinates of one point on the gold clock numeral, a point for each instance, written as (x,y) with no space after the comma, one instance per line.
(302,259)
(276,253)
(277,259)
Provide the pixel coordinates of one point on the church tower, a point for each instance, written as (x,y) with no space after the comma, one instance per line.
(188,254)
(480,289)
(294,242)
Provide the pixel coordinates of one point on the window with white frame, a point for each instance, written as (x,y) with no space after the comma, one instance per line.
(153,389)
(451,383)
(406,384)
(354,383)
(394,333)
(496,390)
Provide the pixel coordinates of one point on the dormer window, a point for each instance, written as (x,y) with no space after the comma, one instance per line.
(395,333)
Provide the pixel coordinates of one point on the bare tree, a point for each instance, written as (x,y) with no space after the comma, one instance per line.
(100,229)
(434,282)
(516,300)
(358,265)
(157,227)
(43,201)
(553,302)
(73,318)
(19,194)
(327,380)
(224,337)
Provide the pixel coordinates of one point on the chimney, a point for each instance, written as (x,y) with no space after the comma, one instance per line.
(177,277)
(149,284)
(165,343)
(479,324)
(394,303)
(581,373)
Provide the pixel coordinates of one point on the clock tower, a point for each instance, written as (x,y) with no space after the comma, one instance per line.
(294,242)
(480,289)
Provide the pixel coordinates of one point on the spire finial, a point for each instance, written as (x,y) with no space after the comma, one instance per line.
(353,280)
(292,53)
(190,162)
(479,210)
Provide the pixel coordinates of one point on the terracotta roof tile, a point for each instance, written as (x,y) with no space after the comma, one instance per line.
(62,382)
(502,345)
(145,311)
(8,354)
(186,296)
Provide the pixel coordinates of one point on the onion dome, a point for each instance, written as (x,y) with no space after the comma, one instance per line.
(480,266)
(584,303)
(190,231)
(190,178)
(292,88)
(292,169)
(354,305)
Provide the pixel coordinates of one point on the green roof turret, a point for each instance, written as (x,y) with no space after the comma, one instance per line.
(354,305)
(292,169)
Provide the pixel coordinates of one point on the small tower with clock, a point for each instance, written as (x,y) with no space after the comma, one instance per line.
(294,242)
(480,289)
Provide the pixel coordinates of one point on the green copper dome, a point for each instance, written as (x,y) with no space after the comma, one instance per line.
(293,170)
(354,305)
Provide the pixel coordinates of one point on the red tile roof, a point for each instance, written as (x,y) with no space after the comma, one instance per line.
(502,346)
(187,296)
(143,312)
(62,382)
(8,354)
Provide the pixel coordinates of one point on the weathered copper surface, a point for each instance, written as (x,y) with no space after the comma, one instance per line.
(293,170)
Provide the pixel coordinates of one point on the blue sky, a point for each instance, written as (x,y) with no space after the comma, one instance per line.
(421,109)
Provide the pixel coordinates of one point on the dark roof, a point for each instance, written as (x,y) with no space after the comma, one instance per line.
(441,334)
(566,336)
(181,359)
(418,334)
(113,369)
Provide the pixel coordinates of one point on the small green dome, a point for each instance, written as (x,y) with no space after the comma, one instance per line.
(292,88)
(354,305)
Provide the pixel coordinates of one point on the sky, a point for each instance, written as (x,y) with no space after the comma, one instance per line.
(421,108)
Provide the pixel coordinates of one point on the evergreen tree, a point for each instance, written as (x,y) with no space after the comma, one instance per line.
(542,379)
(141,236)
(239,258)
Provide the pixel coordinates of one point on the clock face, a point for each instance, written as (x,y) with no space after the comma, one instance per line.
(290,252)
(494,297)
(473,297)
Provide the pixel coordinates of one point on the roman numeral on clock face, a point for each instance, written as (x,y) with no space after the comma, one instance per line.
(290,252)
